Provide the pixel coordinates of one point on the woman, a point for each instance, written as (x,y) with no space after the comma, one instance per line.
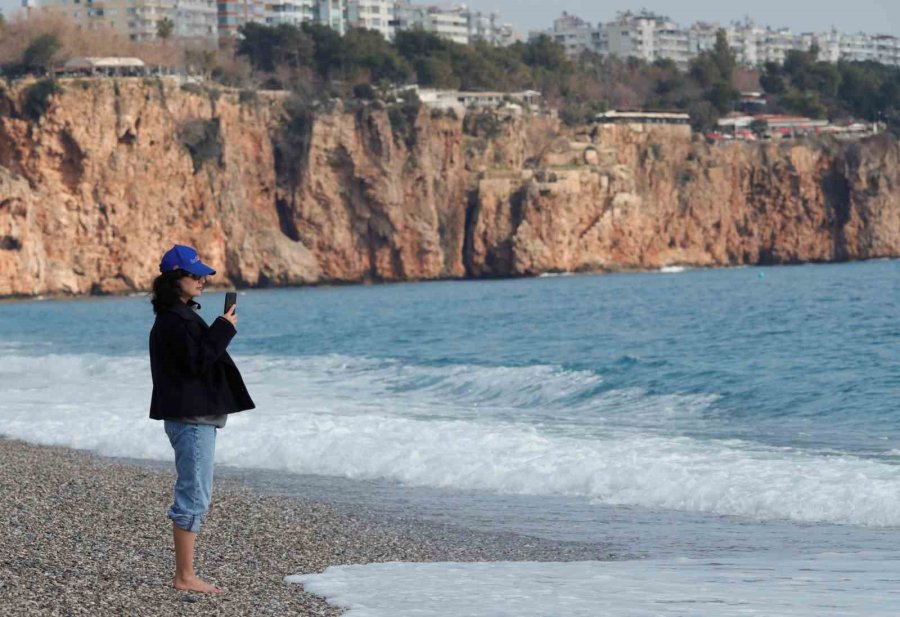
(195,386)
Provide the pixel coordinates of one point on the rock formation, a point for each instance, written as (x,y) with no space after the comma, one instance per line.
(116,171)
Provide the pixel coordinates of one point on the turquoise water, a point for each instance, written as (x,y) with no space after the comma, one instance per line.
(769,395)
(805,357)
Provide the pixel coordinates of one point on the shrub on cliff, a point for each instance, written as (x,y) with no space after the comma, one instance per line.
(269,47)
(403,116)
(364,92)
(482,124)
(713,70)
(203,140)
(37,98)
(292,141)
(38,56)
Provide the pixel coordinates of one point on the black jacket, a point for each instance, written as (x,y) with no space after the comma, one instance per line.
(193,375)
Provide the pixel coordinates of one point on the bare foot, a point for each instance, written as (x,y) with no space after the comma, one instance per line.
(195,583)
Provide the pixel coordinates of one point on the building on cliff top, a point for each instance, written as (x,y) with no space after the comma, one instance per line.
(104,66)
(778,126)
(460,101)
(643,117)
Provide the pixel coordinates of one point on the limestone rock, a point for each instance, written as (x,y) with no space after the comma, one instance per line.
(118,170)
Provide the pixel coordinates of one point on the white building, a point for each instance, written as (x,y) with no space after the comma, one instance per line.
(574,34)
(744,39)
(332,13)
(647,36)
(887,49)
(642,35)
(447,21)
(195,19)
(294,12)
(138,19)
(235,13)
(487,27)
(460,101)
(651,37)
(372,14)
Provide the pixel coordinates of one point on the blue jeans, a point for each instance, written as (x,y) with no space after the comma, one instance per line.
(195,448)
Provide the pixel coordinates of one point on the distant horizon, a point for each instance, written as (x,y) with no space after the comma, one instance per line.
(866,16)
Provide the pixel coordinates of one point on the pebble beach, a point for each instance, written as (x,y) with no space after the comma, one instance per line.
(87,535)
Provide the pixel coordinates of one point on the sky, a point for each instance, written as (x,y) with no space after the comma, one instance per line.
(871,16)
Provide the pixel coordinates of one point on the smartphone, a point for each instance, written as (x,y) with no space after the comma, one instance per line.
(230,300)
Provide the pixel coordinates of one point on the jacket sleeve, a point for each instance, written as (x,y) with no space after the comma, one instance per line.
(192,351)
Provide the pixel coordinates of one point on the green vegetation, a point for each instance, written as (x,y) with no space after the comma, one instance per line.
(203,140)
(164,28)
(192,88)
(247,97)
(37,97)
(318,66)
(38,56)
(361,64)
(292,142)
(314,58)
(403,117)
(805,85)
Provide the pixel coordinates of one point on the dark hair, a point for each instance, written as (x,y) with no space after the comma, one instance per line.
(165,290)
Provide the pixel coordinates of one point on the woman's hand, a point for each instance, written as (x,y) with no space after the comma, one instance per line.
(231,316)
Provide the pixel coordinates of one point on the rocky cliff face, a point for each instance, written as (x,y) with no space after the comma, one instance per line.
(116,171)
(654,198)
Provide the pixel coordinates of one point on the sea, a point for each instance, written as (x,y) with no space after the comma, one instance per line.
(732,435)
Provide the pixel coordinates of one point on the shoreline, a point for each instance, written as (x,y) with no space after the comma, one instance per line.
(15,298)
(86,534)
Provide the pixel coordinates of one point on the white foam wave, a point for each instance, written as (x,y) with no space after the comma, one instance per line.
(847,585)
(424,426)
(547,275)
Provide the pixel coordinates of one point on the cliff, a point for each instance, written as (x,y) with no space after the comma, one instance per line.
(115,171)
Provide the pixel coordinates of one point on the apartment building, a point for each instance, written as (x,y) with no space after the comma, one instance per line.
(650,37)
(745,41)
(137,19)
(293,12)
(448,21)
(195,19)
(372,14)
(574,34)
(488,28)
(642,35)
(887,49)
(235,13)
(332,13)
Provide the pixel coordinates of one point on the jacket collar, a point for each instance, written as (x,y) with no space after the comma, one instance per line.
(185,310)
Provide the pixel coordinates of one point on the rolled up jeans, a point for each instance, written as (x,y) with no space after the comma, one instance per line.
(195,448)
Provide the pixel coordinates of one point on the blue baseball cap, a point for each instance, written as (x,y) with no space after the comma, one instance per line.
(181,257)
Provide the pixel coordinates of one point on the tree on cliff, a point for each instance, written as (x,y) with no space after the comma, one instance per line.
(369,56)
(431,57)
(38,56)
(811,87)
(164,28)
(713,70)
(268,47)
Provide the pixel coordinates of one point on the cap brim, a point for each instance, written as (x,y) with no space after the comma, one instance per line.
(200,269)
